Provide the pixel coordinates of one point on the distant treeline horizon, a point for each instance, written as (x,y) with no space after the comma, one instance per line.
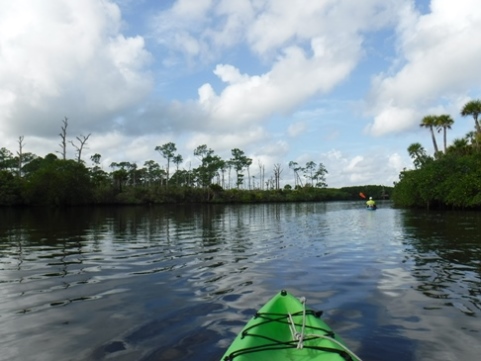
(52,181)
(28,179)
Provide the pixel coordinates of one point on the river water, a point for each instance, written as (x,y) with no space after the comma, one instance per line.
(178,283)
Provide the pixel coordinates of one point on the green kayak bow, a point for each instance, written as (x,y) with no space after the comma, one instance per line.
(284,329)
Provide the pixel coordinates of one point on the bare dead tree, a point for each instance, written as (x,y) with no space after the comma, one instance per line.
(78,148)
(229,164)
(249,173)
(20,155)
(261,174)
(270,183)
(63,137)
(277,175)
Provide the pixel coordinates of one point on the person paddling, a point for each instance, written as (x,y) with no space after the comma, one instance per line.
(371,203)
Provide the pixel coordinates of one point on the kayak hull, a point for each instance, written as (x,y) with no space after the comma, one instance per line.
(284,329)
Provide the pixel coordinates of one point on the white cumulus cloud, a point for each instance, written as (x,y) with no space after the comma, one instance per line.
(67,58)
(439,61)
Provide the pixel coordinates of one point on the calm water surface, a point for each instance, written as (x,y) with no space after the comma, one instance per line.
(178,283)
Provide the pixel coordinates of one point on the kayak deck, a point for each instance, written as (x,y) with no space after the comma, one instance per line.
(284,329)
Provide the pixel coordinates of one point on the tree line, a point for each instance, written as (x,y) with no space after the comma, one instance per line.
(28,179)
(449,178)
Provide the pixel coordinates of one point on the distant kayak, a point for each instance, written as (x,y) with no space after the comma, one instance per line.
(285,329)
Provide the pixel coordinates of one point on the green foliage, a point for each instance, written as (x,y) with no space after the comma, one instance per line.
(59,182)
(452,181)
(7,160)
(418,155)
(375,191)
(239,161)
(167,151)
(216,188)
(210,166)
(452,178)
(473,108)
(10,189)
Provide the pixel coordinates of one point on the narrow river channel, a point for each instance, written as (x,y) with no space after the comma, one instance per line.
(178,283)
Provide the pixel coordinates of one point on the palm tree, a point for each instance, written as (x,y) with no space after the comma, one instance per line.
(444,122)
(472,138)
(418,154)
(459,146)
(430,122)
(473,108)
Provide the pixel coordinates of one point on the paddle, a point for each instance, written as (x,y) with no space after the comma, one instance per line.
(362,195)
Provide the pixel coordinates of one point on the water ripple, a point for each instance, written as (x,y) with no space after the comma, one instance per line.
(169,283)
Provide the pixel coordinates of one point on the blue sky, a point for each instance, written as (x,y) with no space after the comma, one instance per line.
(339,82)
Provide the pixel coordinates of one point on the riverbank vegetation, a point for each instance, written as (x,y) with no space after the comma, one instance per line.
(29,180)
(451,177)
(57,182)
